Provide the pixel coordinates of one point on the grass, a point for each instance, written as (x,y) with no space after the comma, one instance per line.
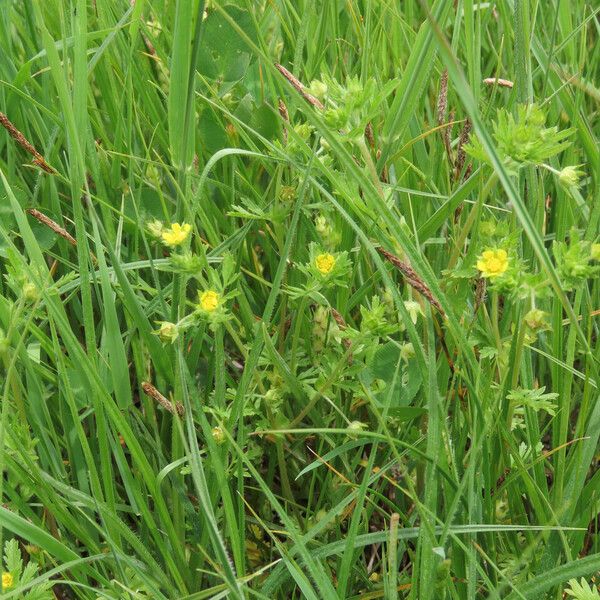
(368,368)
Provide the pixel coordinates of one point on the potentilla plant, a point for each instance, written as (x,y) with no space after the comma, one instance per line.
(16,575)
(215,293)
(522,140)
(501,267)
(323,270)
(348,107)
(576,260)
(215,286)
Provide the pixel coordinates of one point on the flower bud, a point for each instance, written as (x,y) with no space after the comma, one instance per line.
(303,130)
(155,228)
(167,332)
(218,434)
(335,118)
(318,88)
(536,319)
(414,310)
(569,176)
(287,193)
(30,292)
(355,428)
(186,263)
(319,329)
(407,351)
(324,144)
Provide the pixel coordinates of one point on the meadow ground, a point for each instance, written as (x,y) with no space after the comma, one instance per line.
(299,299)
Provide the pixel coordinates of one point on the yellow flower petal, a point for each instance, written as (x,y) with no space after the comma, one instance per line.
(7,580)
(493,263)
(176,234)
(325,263)
(209,301)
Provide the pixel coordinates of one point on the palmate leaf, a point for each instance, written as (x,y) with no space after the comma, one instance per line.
(13,564)
(40,592)
(225,55)
(29,573)
(386,361)
(535,399)
(12,558)
(582,590)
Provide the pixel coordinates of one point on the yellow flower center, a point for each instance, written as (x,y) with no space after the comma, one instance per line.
(7,580)
(209,301)
(324,263)
(176,234)
(493,263)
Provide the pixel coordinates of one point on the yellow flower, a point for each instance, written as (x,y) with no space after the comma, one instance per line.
(324,263)
(176,234)
(493,263)
(209,301)
(7,580)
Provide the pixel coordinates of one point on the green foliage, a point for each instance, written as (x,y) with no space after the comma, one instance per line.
(536,400)
(523,139)
(575,260)
(581,590)
(322,331)
(21,576)
(348,107)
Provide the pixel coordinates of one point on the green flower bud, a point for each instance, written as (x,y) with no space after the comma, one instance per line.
(319,330)
(155,228)
(287,193)
(303,130)
(569,176)
(353,87)
(536,319)
(335,118)
(30,292)
(318,88)
(387,300)
(274,398)
(329,236)
(487,229)
(355,428)
(407,351)
(414,310)
(218,434)
(186,263)
(228,99)
(167,332)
